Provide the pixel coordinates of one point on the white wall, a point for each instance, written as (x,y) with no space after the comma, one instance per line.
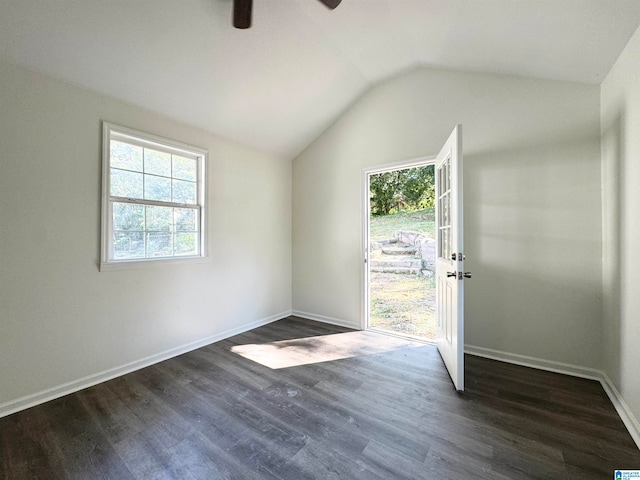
(621,223)
(60,318)
(532,205)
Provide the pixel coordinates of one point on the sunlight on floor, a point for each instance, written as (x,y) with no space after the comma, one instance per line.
(324,348)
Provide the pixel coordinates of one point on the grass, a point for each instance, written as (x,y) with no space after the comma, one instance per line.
(384,227)
(403,304)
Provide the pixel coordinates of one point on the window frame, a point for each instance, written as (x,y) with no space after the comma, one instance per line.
(139,138)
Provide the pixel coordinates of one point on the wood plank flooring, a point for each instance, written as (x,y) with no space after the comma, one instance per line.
(376,408)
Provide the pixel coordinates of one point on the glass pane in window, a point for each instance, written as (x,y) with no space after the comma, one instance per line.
(185,244)
(446,244)
(128,245)
(184,192)
(446,216)
(126,184)
(159,219)
(125,156)
(157,163)
(185,219)
(159,244)
(128,217)
(184,168)
(447,174)
(157,188)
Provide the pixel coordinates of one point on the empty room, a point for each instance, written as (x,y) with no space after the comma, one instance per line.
(187,215)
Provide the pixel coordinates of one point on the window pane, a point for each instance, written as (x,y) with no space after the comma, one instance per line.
(159,244)
(125,156)
(185,244)
(446,243)
(126,184)
(184,168)
(447,174)
(128,217)
(157,163)
(157,188)
(446,220)
(184,192)
(128,245)
(159,218)
(185,219)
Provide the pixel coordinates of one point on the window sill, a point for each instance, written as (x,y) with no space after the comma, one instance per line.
(151,262)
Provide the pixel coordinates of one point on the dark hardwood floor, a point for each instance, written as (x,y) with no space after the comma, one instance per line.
(375,408)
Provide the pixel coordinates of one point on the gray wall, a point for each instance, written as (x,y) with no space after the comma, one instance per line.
(621,224)
(532,205)
(60,318)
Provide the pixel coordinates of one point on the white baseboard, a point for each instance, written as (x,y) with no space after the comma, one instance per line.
(629,420)
(324,319)
(610,389)
(533,362)
(43,396)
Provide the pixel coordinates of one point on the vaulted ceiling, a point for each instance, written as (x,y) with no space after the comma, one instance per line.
(278,85)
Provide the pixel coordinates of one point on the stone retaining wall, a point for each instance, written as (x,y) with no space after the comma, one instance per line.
(426,246)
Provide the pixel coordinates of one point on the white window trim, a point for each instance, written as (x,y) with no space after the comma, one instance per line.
(106,235)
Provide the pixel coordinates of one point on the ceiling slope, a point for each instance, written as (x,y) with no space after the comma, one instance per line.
(278,85)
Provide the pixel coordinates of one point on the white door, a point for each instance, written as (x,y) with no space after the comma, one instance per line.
(450,272)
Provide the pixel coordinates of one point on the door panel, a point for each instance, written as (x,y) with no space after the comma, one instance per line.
(450,258)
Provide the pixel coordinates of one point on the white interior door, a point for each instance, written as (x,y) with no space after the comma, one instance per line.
(450,272)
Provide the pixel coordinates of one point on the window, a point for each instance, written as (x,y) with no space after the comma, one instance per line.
(153,195)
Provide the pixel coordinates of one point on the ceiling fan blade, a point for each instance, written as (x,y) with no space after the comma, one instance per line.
(331,3)
(242,13)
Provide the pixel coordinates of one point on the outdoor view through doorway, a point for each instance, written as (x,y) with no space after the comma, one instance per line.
(402,252)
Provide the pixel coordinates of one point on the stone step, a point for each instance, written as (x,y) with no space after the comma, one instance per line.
(389,241)
(400,262)
(404,270)
(399,250)
(379,244)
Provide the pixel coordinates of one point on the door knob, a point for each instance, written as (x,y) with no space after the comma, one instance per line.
(451,274)
(466,274)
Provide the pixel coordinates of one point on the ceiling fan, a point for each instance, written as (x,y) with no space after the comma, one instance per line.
(242,11)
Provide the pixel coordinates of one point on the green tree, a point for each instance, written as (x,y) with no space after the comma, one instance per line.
(384,191)
(418,187)
(402,190)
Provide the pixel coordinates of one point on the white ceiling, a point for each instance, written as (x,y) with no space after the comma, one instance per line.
(278,85)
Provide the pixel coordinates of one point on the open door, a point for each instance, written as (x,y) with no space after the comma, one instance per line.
(450,272)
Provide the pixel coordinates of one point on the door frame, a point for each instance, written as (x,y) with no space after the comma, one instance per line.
(365,214)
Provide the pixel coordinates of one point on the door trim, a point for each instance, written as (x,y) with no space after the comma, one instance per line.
(365,212)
